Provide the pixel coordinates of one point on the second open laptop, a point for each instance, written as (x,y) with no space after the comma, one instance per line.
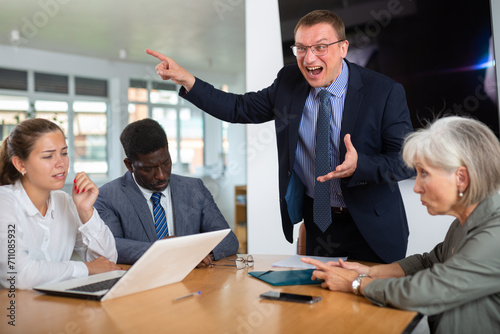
(165,262)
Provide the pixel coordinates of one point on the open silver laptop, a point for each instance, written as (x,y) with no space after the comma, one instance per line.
(165,262)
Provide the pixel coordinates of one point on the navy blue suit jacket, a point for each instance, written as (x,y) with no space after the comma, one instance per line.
(124,209)
(377,117)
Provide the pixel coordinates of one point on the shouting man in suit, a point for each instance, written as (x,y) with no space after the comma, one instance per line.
(149,203)
(339,130)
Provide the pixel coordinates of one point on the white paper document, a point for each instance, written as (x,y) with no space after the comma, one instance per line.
(294,261)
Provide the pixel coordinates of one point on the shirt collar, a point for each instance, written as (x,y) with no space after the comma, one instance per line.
(28,205)
(483,212)
(147,193)
(339,86)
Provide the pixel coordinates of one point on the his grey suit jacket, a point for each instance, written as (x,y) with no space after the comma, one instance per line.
(124,209)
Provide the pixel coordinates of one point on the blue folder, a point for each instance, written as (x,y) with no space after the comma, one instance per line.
(286,277)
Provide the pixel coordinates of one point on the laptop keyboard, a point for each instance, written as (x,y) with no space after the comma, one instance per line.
(98,286)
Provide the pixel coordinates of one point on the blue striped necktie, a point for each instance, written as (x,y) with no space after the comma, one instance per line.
(321,207)
(159,215)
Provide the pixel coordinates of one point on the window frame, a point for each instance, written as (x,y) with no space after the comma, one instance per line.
(177,167)
(69,98)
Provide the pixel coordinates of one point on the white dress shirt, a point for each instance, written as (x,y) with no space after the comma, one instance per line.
(44,244)
(166,203)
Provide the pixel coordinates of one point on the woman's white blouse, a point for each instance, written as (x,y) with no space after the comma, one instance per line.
(36,250)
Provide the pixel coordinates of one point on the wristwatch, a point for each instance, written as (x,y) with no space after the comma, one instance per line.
(356,284)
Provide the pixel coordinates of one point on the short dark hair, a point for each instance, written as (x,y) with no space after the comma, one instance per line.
(143,137)
(323,16)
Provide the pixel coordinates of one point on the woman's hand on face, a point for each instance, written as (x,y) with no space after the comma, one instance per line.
(84,196)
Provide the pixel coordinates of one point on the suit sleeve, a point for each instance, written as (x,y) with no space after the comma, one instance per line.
(129,251)
(386,165)
(465,279)
(249,108)
(213,220)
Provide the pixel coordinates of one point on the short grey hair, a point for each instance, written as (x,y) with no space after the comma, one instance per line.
(452,142)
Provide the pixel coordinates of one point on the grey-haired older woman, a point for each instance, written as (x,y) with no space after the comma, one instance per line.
(457,284)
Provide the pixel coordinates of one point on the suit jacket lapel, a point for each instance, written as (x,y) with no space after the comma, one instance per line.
(137,200)
(296,109)
(352,104)
(179,200)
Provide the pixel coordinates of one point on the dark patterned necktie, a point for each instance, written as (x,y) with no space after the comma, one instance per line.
(159,215)
(322,211)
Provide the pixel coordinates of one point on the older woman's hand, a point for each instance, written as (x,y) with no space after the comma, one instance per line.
(335,278)
(357,267)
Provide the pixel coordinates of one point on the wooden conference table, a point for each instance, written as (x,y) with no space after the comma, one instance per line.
(229,303)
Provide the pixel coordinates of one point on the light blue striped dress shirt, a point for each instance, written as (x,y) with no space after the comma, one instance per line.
(305,154)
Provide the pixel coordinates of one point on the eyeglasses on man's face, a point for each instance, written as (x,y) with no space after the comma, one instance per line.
(300,51)
(239,262)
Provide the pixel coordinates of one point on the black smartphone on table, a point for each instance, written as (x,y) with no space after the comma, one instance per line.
(290,297)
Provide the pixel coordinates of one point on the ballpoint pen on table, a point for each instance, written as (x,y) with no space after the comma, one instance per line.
(187,296)
(264,273)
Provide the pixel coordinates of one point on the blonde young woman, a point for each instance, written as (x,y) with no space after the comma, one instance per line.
(457,284)
(40,225)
